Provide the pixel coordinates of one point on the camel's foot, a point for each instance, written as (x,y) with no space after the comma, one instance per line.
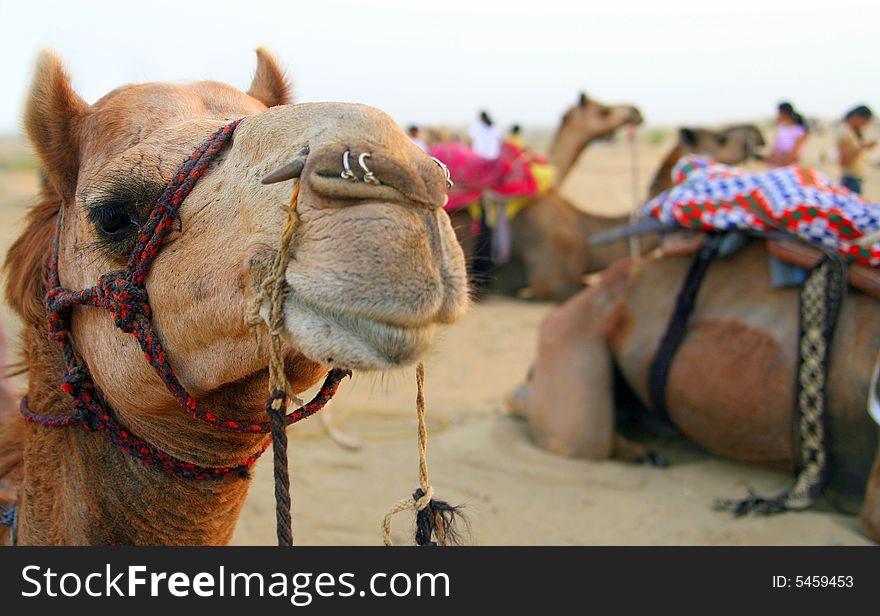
(515,401)
(655,459)
(872,528)
(626,450)
(870,517)
(526,293)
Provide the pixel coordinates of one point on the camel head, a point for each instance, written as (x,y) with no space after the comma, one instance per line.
(731,146)
(584,122)
(374,267)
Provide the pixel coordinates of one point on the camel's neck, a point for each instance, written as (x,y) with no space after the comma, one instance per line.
(78,488)
(663,178)
(597,223)
(565,149)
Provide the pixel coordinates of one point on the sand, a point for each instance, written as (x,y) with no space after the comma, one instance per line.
(514,493)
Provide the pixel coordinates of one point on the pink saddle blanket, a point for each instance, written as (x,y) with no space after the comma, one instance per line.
(507,176)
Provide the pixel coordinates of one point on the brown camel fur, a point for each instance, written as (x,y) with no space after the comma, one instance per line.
(374,270)
(549,234)
(731,384)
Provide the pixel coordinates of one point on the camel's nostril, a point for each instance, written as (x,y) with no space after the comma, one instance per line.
(368,173)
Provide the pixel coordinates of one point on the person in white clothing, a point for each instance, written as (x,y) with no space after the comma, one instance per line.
(485,138)
(413,132)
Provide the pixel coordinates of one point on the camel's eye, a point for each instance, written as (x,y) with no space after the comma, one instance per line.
(113,220)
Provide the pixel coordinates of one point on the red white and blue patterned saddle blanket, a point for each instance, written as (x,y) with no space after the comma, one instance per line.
(804,202)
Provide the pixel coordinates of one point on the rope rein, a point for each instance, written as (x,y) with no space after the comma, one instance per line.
(272,290)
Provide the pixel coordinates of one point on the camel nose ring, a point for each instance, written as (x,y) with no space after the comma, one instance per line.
(347,173)
(369,176)
(449,182)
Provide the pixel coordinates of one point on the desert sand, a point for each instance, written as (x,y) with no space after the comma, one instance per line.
(514,493)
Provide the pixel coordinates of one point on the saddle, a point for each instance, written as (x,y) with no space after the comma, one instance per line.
(865,279)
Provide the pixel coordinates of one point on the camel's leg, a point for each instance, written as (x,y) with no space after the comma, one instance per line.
(870,516)
(569,400)
(546,235)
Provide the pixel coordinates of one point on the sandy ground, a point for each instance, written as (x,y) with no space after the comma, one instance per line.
(514,493)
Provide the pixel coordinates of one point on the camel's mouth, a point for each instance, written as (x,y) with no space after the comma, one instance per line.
(341,338)
(369,283)
(635,118)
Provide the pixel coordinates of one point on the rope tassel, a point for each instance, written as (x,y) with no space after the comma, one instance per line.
(435,519)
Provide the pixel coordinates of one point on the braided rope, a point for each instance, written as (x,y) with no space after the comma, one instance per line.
(273,290)
(123,293)
(820,304)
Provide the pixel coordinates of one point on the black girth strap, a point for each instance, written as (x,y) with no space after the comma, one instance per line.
(676,329)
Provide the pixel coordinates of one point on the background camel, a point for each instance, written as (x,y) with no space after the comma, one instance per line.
(548,236)
(730,146)
(376,268)
(731,384)
(555,268)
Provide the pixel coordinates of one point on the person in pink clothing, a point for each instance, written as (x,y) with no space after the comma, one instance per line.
(791,134)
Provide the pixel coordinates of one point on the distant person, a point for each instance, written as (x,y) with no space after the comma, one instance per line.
(791,134)
(515,137)
(413,132)
(851,145)
(485,138)
(542,171)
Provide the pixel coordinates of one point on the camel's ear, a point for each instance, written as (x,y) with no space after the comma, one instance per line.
(583,99)
(269,85)
(51,119)
(688,136)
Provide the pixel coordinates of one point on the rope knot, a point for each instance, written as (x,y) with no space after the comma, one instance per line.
(58,304)
(422,498)
(74,379)
(84,415)
(127,301)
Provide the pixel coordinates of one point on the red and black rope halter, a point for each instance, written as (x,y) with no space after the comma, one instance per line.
(123,293)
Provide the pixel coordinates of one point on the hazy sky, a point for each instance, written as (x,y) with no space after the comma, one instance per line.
(680,61)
